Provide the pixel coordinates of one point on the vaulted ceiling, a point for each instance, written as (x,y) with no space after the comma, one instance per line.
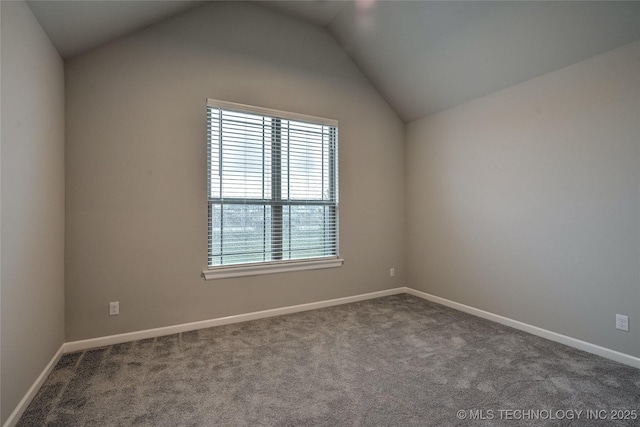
(422,56)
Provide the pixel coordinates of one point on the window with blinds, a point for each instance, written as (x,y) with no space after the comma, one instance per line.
(273,186)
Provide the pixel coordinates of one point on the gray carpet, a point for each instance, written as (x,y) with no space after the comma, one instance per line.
(393,361)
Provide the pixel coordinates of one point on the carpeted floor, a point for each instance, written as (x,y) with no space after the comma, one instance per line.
(393,361)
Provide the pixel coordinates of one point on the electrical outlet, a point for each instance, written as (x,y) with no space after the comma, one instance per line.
(392,272)
(114,308)
(622,322)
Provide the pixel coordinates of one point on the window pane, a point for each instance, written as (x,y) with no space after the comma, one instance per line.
(215,235)
(243,146)
(242,233)
(304,151)
(214,153)
(309,232)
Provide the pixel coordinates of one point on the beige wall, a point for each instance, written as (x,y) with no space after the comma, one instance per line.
(32,202)
(136,169)
(526,202)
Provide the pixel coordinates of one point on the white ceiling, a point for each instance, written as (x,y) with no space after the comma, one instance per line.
(422,56)
(319,12)
(77,26)
(425,57)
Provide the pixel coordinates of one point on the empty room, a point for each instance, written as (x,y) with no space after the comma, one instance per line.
(319,213)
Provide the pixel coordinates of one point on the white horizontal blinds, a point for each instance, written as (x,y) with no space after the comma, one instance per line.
(272,188)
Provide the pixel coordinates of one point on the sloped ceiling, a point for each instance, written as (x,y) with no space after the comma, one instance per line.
(422,56)
(77,26)
(425,57)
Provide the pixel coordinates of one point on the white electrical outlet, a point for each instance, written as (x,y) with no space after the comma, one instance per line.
(622,322)
(392,272)
(114,308)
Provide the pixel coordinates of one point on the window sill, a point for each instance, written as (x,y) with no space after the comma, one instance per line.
(269,268)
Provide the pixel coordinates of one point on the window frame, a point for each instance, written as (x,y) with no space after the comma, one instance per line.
(274,266)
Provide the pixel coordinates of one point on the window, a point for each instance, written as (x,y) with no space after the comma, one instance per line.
(272,190)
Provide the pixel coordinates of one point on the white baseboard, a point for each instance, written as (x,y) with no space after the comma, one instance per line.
(33,390)
(168,330)
(544,333)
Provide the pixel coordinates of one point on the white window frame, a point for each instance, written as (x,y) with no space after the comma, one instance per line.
(272,267)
